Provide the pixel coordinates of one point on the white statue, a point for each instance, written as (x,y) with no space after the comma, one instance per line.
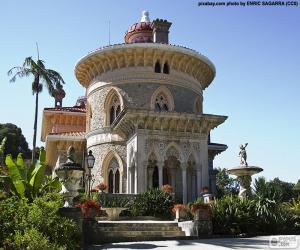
(243,154)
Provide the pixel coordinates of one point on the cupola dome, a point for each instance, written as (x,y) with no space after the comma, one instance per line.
(140,32)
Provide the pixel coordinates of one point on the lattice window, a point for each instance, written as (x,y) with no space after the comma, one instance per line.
(113,177)
(115,109)
(161,103)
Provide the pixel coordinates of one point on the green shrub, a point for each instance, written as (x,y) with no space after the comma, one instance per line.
(233,215)
(107,201)
(22,222)
(31,239)
(153,203)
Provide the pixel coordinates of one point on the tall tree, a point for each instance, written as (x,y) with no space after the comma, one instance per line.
(226,185)
(41,75)
(15,141)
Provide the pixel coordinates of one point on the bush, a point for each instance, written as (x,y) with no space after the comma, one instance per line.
(31,239)
(24,224)
(155,203)
(233,215)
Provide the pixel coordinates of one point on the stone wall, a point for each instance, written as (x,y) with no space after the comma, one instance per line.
(100,152)
(138,96)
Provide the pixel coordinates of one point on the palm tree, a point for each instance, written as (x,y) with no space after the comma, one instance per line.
(41,76)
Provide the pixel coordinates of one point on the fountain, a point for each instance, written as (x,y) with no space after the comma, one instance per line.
(70,174)
(244,172)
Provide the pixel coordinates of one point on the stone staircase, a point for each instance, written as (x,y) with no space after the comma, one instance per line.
(116,231)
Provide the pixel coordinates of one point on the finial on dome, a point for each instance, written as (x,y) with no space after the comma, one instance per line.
(145,17)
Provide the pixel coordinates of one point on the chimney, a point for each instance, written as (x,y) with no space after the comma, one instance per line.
(160,29)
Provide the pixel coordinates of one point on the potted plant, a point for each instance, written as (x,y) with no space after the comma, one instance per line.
(167,188)
(181,211)
(201,211)
(89,208)
(205,189)
(113,207)
(101,187)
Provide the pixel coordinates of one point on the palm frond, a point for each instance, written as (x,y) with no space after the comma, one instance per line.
(20,73)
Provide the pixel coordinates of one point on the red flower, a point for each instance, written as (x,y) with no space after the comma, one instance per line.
(88,207)
(180,207)
(167,188)
(102,186)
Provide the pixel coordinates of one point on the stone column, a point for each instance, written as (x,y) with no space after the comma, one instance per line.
(145,169)
(199,181)
(204,162)
(173,178)
(183,167)
(160,166)
(150,176)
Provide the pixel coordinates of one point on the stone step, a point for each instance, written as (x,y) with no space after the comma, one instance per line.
(132,228)
(138,228)
(129,234)
(137,225)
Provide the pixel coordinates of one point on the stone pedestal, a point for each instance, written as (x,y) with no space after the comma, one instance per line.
(243,174)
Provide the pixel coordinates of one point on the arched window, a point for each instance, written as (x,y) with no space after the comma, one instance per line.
(111,181)
(161,103)
(162,100)
(155,182)
(157,68)
(114,109)
(113,177)
(166,68)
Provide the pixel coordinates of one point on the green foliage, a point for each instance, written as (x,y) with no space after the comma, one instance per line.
(30,183)
(24,225)
(107,201)
(297,187)
(154,202)
(225,184)
(41,75)
(15,143)
(232,215)
(276,190)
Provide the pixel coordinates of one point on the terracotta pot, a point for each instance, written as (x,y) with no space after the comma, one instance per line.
(203,213)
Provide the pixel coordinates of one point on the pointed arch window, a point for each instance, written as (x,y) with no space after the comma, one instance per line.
(113,177)
(161,103)
(166,68)
(157,68)
(115,109)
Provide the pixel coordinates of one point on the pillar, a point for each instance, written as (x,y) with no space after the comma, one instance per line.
(150,176)
(204,162)
(145,169)
(183,167)
(199,182)
(160,166)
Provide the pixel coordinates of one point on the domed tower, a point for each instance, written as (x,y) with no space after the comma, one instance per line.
(140,32)
(146,126)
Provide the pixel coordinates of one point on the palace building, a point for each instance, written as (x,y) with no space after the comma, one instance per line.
(142,116)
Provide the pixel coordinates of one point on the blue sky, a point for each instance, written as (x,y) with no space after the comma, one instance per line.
(255,51)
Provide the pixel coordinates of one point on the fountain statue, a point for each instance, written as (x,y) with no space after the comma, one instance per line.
(244,172)
(70,174)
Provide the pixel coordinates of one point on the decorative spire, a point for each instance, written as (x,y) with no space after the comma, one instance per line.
(145,17)
(59,95)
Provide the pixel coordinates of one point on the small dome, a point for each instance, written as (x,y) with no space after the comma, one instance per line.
(140,32)
(81,102)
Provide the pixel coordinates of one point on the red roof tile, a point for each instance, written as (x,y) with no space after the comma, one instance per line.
(67,109)
(72,133)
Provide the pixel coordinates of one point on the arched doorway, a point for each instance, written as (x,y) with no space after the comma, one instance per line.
(173,172)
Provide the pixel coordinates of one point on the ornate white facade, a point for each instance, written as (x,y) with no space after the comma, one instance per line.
(144,121)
